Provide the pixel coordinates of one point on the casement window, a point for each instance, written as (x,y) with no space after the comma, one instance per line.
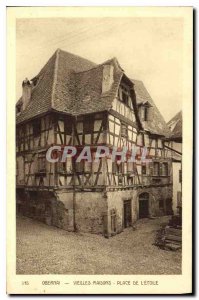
(180,176)
(36,127)
(144,113)
(124,130)
(156,169)
(124,96)
(143,169)
(165,169)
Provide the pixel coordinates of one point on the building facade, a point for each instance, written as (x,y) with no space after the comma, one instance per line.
(73,101)
(175,143)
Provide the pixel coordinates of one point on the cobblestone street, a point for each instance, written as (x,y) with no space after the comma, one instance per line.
(42,249)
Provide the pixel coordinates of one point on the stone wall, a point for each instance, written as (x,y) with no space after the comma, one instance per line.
(95,212)
(47,207)
(115,200)
(90,211)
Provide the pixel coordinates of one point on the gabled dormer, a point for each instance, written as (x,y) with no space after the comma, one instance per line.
(124,95)
(144,111)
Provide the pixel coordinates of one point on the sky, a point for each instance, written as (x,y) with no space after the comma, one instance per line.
(148,49)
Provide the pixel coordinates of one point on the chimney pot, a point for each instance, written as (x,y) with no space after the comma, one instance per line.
(26,92)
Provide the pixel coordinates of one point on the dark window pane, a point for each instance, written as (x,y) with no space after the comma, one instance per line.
(36,127)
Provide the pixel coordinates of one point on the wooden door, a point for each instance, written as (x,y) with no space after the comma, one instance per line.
(144,205)
(127,213)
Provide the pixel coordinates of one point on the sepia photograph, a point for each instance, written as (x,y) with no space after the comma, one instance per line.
(99,146)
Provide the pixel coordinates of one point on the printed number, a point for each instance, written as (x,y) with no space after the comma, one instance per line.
(25,282)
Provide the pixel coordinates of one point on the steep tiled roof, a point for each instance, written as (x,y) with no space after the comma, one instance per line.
(71,84)
(55,84)
(41,97)
(156,123)
(175,125)
(89,96)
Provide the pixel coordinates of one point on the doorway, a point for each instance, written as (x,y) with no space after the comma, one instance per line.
(169,210)
(143,205)
(127,213)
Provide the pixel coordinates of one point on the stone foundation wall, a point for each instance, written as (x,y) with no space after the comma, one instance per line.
(47,207)
(86,213)
(90,211)
(115,200)
(95,212)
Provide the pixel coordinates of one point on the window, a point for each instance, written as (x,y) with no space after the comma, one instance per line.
(156,168)
(165,170)
(180,176)
(143,169)
(144,112)
(124,130)
(124,95)
(36,128)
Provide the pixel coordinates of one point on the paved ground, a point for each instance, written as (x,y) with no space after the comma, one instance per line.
(42,249)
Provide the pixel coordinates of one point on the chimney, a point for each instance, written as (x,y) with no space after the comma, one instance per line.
(26,92)
(107,80)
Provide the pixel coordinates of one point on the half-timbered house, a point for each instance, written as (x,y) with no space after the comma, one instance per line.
(73,101)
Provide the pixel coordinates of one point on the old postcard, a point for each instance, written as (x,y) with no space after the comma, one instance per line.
(99,127)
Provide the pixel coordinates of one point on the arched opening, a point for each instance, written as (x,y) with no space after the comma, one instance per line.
(143,205)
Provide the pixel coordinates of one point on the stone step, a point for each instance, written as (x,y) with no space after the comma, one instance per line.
(172,247)
(173,231)
(173,237)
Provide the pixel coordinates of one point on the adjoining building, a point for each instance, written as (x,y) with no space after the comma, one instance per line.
(73,101)
(175,144)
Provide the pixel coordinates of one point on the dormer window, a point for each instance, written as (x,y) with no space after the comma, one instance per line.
(144,111)
(124,95)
